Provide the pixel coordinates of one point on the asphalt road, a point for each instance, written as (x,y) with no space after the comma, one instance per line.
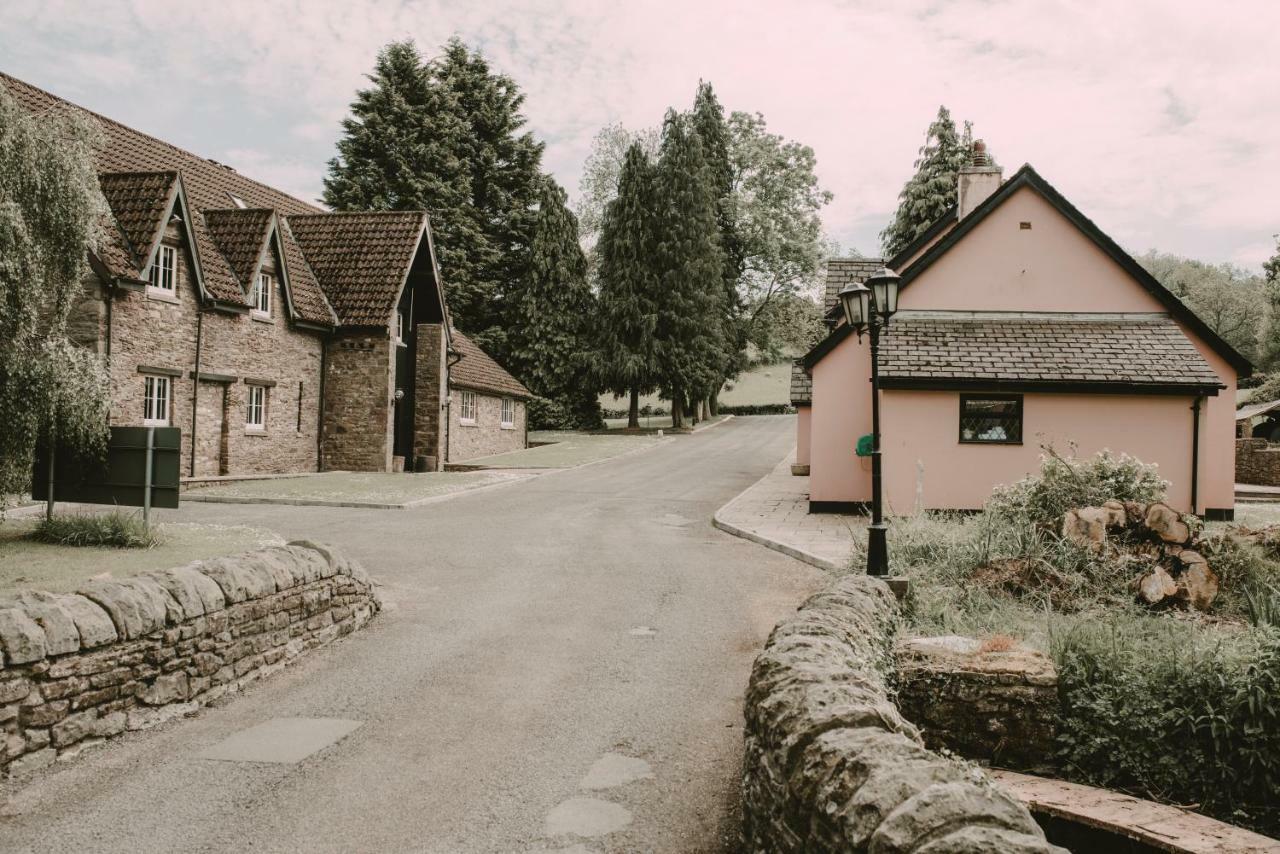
(534,629)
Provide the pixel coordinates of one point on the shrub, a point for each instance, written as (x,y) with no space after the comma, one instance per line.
(117,529)
(756,409)
(548,414)
(1064,484)
(1175,712)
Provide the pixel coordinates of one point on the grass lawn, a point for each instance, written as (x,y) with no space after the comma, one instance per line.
(354,488)
(654,422)
(25,564)
(568,448)
(762,384)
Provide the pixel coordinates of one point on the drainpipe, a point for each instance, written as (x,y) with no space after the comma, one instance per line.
(110,299)
(195,390)
(1195,454)
(451,359)
(324,369)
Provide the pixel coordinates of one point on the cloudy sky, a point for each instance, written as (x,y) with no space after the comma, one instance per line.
(1160,120)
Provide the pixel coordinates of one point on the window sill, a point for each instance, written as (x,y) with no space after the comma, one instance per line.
(508,426)
(161,295)
(255,431)
(146,423)
(467,422)
(260,317)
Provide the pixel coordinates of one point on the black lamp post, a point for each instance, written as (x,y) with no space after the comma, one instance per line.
(867,308)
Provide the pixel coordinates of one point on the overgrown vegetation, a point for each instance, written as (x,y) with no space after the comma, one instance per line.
(116,529)
(1180,707)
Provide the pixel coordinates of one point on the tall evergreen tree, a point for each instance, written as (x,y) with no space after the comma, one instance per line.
(1269,343)
(629,294)
(709,123)
(552,316)
(932,189)
(446,136)
(687,255)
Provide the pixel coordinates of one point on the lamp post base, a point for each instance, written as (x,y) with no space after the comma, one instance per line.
(877,550)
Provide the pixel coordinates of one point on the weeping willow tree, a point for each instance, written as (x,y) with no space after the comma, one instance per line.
(50,211)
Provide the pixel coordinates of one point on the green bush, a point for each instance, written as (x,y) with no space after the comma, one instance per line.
(1067,483)
(117,529)
(1175,712)
(757,409)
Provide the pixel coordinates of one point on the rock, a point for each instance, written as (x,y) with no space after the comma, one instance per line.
(95,625)
(181,586)
(69,753)
(941,805)
(1156,585)
(45,714)
(166,689)
(273,563)
(163,608)
(136,719)
(130,611)
(326,560)
(21,639)
(14,689)
(211,595)
(108,725)
(230,578)
(60,633)
(74,728)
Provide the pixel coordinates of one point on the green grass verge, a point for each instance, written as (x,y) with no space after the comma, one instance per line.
(355,487)
(565,449)
(761,384)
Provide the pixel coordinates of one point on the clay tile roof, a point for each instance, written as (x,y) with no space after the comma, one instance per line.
(478,372)
(801,385)
(845,271)
(219,281)
(241,235)
(113,250)
(360,259)
(308,299)
(139,201)
(1079,349)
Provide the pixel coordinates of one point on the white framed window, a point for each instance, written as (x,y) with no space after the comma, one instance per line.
(164,271)
(155,401)
(468,413)
(260,296)
(255,410)
(508,413)
(400,330)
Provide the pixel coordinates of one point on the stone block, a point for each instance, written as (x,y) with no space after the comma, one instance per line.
(36,738)
(60,688)
(75,750)
(45,714)
(60,633)
(164,608)
(276,563)
(163,690)
(230,578)
(181,586)
(21,638)
(14,689)
(133,614)
(108,725)
(145,718)
(32,762)
(95,625)
(73,728)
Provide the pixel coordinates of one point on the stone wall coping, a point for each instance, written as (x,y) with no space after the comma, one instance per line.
(833,766)
(35,625)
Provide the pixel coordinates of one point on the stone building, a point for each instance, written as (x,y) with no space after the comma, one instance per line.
(278,336)
(487,412)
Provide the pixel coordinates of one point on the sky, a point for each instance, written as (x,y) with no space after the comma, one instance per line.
(1159,120)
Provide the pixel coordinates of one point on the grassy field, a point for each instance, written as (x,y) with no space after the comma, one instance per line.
(762,384)
(566,449)
(25,564)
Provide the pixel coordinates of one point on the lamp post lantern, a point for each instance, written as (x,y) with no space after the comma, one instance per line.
(867,308)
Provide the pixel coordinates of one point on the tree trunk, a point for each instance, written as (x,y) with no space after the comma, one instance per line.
(633,410)
(706,409)
(715,401)
(677,410)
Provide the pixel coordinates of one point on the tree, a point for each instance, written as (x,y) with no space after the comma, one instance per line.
(708,121)
(1230,300)
(777,201)
(445,136)
(50,214)
(687,254)
(553,314)
(932,190)
(602,172)
(629,295)
(1269,339)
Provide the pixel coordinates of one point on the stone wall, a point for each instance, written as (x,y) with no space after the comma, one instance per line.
(1257,462)
(832,765)
(149,331)
(979,700)
(428,404)
(487,436)
(128,654)
(358,410)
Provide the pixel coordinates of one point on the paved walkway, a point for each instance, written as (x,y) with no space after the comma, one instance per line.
(561,668)
(774,512)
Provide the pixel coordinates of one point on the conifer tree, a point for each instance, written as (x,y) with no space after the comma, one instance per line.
(708,121)
(552,315)
(446,136)
(931,191)
(1269,345)
(629,285)
(689,332)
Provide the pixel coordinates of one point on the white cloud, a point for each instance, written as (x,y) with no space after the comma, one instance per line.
(1157,118)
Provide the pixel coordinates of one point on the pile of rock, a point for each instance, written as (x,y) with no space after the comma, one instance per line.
(1168,567)
(128,654)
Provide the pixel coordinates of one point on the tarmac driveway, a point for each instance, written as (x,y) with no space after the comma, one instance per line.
(561,668)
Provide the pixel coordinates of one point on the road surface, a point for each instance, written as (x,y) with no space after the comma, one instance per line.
(540,636)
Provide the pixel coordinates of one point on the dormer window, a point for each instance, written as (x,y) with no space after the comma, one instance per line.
(163,271)
(260,297)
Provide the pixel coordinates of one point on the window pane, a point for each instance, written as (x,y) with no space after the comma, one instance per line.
(991,420)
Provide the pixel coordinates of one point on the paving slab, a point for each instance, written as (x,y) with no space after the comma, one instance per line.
(281,740)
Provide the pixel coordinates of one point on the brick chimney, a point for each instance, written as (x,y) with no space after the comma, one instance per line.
(978,179)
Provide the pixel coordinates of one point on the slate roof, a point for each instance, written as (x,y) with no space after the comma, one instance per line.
(241,234)
(845,271)
(477,371)
(927,348)
(360,259)
(139,201)
(801,385)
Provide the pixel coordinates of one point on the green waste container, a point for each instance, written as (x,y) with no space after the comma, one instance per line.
(864,446)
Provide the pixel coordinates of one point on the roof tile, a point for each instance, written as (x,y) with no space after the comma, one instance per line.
(478,371)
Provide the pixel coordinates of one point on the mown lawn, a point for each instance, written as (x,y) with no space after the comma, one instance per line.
(566,448)
(26,564)
(375,488)
(760,385)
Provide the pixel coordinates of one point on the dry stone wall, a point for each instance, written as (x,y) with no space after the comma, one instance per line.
(1257,462)
(129,654)
(832,765)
